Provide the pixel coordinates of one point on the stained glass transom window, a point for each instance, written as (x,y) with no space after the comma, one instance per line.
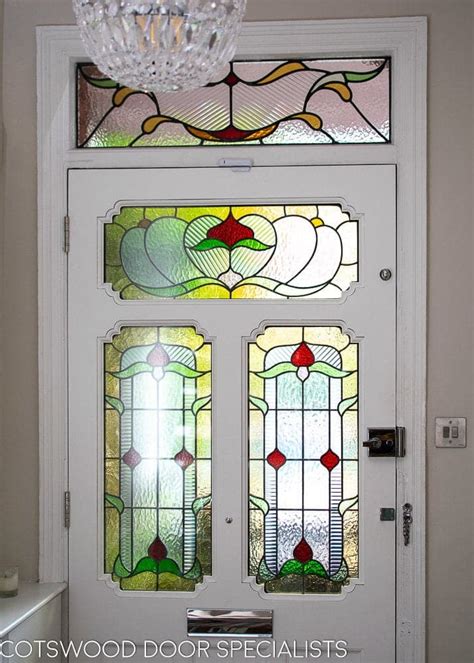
(254,103)
(252,252)
(157,529)
(303,460)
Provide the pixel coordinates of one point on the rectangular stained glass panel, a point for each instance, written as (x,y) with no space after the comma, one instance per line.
(238,252)
(303,465)
(296,102)
(157,524)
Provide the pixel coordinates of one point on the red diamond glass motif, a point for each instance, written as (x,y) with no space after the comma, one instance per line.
(276,459)
(184,459)
(330,460)
(132,458)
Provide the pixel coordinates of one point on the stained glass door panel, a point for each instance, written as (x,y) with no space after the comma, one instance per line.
(303,460)
(157,434)
(214,441)
(231,252)
(297,102)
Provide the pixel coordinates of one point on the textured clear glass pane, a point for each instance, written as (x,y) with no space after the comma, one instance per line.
(258,103)
(305,488)
(157,465)
(289,431)
(253,252)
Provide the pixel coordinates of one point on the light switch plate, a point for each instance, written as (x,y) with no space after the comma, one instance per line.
(451,432)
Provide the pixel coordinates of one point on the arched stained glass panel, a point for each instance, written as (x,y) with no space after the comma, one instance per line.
(303,459)
(157,458)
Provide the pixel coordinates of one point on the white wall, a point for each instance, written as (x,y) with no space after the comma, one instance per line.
(450,344)
(2,175)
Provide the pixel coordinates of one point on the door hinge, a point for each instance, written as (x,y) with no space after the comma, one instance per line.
(67,509)
(67,234)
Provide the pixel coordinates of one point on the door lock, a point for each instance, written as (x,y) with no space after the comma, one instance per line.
(386,442)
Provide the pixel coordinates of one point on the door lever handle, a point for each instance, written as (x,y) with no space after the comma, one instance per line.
(378,444)
(386,442)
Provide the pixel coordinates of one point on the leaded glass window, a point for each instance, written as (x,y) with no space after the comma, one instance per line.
(157,386)
(238,252)
(303,459)
(296,102)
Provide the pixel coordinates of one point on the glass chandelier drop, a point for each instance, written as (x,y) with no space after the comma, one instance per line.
(160,45)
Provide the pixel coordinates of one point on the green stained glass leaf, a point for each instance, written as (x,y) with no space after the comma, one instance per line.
(116,502)
(315,568)
(162,566)
(168,566)
(342,574)
(134,369)
(362,77)
(264,572)
(201,503)
(345,505)
(198,405)
(104,83)
(259,403)
(346,404)
(116,403)
(328,370)
(208,244)
(260,503)
(195,573)
(253,244)
(279,369)
(120,570)
(183,370)
(290,567)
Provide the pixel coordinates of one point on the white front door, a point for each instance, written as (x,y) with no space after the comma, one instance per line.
(230,342)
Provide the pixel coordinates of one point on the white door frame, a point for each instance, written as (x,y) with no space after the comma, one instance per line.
(405,40)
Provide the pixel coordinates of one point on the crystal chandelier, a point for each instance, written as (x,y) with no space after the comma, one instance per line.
(160,45)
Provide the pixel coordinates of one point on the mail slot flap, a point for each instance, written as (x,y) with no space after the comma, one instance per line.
(237,623)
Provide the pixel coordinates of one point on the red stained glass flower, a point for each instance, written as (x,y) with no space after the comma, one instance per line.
(330,460)
(184,459)
(158,550)
(276,459)
(302,356)
(303,553)
(132,458)
(230,232)
(158,357)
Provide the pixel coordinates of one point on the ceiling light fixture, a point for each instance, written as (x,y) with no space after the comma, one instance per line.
(160,45)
